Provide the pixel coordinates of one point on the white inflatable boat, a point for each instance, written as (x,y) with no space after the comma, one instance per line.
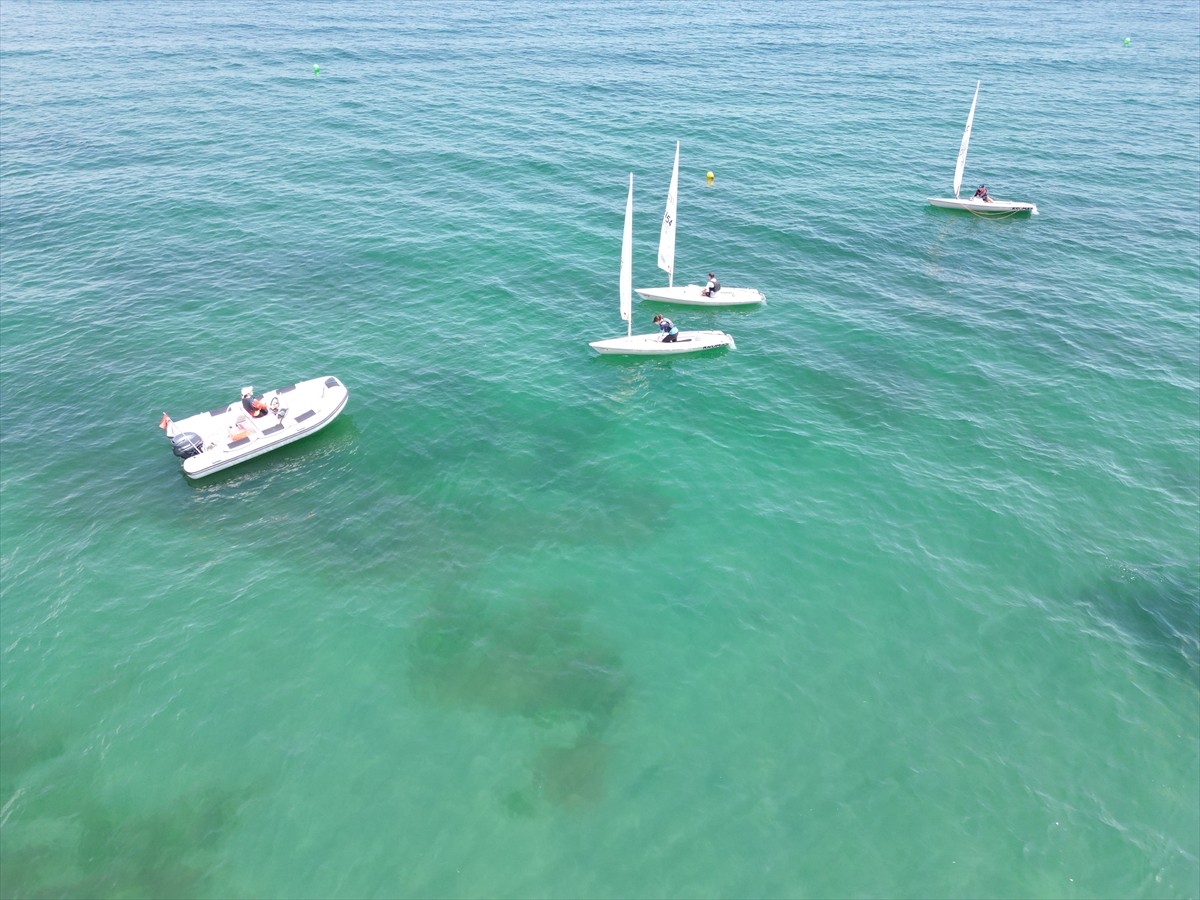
(215,440)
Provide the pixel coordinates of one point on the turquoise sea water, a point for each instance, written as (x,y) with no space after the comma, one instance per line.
(901,598)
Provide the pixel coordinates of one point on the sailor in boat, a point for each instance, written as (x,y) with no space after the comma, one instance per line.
(982,194)
(712,287)
(254,406)
(667,327)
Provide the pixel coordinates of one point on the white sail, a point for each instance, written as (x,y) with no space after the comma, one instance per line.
(962,150)
(666,237)
(627,261)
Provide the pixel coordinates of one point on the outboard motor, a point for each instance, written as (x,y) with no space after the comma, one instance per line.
(187,444)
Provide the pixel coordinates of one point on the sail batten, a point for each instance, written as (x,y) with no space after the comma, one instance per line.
(966,140)
(666,236)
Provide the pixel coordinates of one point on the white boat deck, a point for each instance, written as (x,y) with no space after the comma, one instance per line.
(993,207)
(654,345)
(690,295)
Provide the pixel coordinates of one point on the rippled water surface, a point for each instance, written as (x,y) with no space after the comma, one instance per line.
(900,598)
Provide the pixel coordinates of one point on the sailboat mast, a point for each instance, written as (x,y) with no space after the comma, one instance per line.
(627,262)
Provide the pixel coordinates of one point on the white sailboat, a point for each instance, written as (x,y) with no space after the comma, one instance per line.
(650,344)
(989,207)
(689,294)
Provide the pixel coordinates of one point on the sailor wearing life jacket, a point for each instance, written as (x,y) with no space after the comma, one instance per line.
(667,327)
(255,407)
(712,287)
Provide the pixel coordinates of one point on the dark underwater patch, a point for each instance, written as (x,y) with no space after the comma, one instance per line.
(100,850)
(1157,609)
(536,659)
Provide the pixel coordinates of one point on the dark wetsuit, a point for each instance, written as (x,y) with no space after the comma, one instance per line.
(670,332)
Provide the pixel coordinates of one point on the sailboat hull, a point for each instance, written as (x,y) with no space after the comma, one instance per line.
(984,207)
(690,295)
(652,344)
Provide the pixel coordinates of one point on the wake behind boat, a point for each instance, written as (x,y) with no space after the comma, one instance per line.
(692,294)
(980,205)
(651,344)
(215,440)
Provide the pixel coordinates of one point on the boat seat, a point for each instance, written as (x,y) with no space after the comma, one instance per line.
(242,430)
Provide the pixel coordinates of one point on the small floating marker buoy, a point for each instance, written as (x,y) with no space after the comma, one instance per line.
(316,69)
(708,177)
(1128,41)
